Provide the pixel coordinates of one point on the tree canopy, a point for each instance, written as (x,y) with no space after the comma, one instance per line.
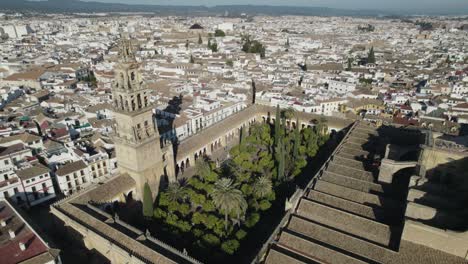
(219,206)
(219,33)
(212,45)
(252,46)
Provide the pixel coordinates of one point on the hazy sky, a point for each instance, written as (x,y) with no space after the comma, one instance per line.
(355,4)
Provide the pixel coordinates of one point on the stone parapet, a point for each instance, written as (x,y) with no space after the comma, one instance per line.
(454,243)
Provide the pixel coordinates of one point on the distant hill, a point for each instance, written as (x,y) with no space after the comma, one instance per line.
(76,6)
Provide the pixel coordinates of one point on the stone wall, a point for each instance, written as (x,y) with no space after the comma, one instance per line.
(444,240)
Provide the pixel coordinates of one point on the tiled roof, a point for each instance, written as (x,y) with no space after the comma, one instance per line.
(71,167)
(346,216)
(25,137)
(11,149)
(105,192)
(10,251)
(33,171)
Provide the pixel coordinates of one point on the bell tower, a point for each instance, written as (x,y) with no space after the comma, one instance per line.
(137,140)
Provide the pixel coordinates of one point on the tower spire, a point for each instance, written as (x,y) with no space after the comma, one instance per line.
(126,52)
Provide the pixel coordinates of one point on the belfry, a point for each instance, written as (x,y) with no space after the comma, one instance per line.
(137,141)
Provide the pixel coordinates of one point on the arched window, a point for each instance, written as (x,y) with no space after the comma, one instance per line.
(139,101)
(121,102)
(132,76)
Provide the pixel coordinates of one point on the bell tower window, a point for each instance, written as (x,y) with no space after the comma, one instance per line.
(139,101)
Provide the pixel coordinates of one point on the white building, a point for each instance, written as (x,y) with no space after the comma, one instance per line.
(11,155)
(459,89)
(32,142)
(328,107)
(11,187)
(341,87)
(193,120)
(14,31)
(226,26)
(37,184)
(99,166)
(73,177)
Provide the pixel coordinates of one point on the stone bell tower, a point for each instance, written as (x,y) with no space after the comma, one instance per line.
(136,137)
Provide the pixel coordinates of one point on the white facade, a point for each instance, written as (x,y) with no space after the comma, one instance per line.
(11,187)
(328,107)
(341,87)
(459,89)
(36,183)
(198,119)
(73,177)
(226,26)
(15,31)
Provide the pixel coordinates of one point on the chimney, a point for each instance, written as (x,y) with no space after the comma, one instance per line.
(22,246)
(3,222)
(12,233)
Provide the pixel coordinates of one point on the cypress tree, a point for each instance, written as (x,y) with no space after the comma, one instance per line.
(277,126)
(283,122)
(241,135)
(349,65)
(297,139)
(214,47)
(254,91)
(200,40)
(280,157)
(371,56)
(147,201)
(312,147)
(191,59)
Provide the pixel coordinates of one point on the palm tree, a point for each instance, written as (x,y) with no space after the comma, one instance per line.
(262,187)
(289,113)
(321,127)
(202,168)
(228,199)
(175,192)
